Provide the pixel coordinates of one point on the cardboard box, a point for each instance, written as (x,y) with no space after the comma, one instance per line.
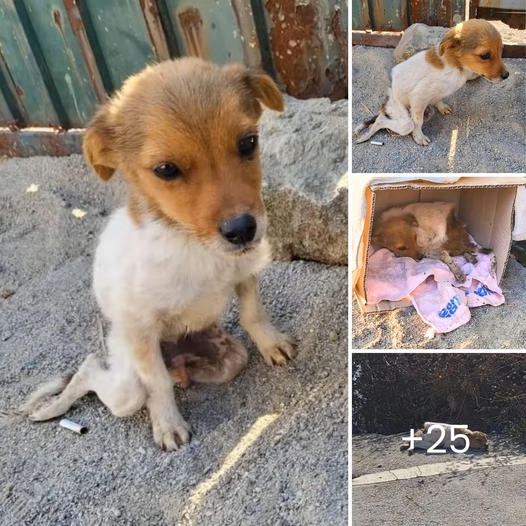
(484,204)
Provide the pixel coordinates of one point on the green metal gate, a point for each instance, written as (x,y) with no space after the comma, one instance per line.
(60,58)
(396,15)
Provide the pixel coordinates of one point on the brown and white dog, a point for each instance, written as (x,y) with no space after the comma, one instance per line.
(183,133)
(430,230)
(469,49)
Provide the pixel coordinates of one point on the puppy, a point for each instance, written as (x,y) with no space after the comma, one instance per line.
(183,133)
(427,230)
(469,49)
(477,439)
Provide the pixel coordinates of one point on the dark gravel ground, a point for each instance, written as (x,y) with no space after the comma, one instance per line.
(486,496)
(295,473)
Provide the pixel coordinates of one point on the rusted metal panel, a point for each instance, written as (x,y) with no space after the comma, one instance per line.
(39,141)
(155,29)
(119,38)
(395,15)
(77,26)
(6,117)
(360,14)
(20,70)
(248,35)
(378,38)
(308,43)
(207,28)
(52,35)
(437,12)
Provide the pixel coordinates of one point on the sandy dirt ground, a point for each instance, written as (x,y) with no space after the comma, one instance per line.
(289,468)
(493,495)
(485,133)
(502,327)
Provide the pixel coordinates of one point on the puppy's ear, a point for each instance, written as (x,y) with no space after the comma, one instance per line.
(410,219)
(266,91)
(97,145)
(262,87)
(450,43)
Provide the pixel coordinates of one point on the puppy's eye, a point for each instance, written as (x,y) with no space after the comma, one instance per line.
(167,171)
(402,248)
(247,145)
(485,56)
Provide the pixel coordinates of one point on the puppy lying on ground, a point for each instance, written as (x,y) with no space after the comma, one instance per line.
(427,230)
(477,439)
(469,49)
(184,135)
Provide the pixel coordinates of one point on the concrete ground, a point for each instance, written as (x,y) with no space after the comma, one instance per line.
(492,495)
(485,133)
(287,469)
(502,327)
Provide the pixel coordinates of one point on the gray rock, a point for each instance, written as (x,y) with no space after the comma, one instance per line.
(304,156)
(416,38)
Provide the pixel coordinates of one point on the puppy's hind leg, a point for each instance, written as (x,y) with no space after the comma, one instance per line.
(457,272)
(119,390)
(373,127)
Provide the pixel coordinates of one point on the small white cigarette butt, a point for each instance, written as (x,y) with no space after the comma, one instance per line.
(377,143)
(73,426)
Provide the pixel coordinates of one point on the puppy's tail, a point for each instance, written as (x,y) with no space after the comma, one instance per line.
(35,399)
(365,124)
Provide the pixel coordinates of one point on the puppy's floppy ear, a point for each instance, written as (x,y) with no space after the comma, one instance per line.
(259,84)
(97,145)
(411,219)
(266,91)
(451,42)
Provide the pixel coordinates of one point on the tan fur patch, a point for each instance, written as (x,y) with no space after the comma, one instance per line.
(433,59)
(464,44)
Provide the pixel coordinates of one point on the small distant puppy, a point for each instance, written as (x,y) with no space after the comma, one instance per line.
(428,230)
(183,133)
(477,439)
(469,49)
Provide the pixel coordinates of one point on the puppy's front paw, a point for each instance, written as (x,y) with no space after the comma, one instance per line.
(421,139)
(280,349)
(170,431)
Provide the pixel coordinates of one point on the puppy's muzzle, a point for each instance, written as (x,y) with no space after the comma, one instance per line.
(239,230)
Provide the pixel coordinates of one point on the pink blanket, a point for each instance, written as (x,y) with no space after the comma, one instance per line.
(439,299)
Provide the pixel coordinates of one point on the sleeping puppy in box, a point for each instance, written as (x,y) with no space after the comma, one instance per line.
(429,230)
(183,133)
(469,49)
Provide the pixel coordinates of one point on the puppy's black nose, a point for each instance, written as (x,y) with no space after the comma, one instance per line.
(239,229)
(504,75)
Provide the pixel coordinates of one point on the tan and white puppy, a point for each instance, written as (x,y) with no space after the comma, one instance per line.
(429,230)
(183,133)
(469,49)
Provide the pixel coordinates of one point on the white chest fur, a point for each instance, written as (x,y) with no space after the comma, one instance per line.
(152,272)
